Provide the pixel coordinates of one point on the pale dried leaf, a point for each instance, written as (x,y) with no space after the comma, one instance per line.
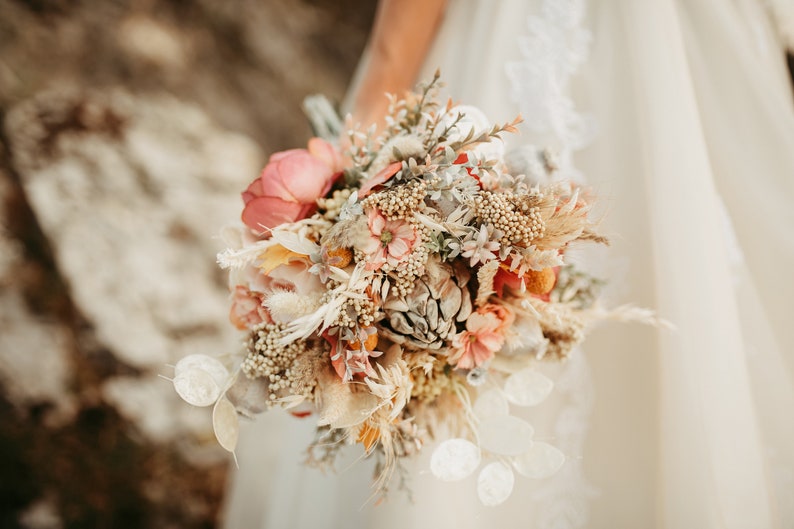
(226,424)
(485,278)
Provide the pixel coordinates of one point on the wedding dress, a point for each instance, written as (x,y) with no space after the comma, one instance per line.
(678,113)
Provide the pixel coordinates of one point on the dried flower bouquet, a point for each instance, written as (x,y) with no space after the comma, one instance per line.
(403,285)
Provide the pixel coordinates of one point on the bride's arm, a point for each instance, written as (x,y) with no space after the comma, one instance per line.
(401,36)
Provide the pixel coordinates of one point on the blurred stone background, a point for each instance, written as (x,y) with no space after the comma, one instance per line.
(127,131)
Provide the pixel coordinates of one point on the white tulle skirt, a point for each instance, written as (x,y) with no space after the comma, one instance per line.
(693,159)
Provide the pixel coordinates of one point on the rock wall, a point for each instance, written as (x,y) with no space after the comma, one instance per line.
(128,130)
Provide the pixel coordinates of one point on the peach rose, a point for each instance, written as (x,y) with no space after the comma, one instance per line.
(290,184)
(248,308)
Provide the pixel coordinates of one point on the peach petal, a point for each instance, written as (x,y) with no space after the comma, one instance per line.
(479,322)
(338,364)
(465,362)
(380,178)
(376,223)
(253,190)
(398,248)
(269,212)
(490,341)
(304,176)
(404,231)
(271,183)
(277,156)
(326,152)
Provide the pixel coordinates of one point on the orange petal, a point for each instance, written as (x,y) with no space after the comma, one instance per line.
(380,178)
(368,436)
(276,256)
(369,344)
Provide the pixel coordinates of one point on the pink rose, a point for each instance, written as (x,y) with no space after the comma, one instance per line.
(290,184)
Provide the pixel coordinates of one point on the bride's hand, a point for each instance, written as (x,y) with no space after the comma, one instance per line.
(401,36)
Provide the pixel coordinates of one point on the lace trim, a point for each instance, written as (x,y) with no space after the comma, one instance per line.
(556,46)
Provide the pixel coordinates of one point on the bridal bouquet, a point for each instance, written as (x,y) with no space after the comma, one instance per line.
(401,288)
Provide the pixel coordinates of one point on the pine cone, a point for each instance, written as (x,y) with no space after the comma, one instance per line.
(426,317)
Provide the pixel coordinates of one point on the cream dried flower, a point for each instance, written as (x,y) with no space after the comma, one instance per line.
(480,249)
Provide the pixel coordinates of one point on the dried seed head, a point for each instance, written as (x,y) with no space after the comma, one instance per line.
(339,257)
(369,344)
(540,282)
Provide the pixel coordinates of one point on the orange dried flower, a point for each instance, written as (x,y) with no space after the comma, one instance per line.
(338,257)
(368,436)
(369,344)
(540,282)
